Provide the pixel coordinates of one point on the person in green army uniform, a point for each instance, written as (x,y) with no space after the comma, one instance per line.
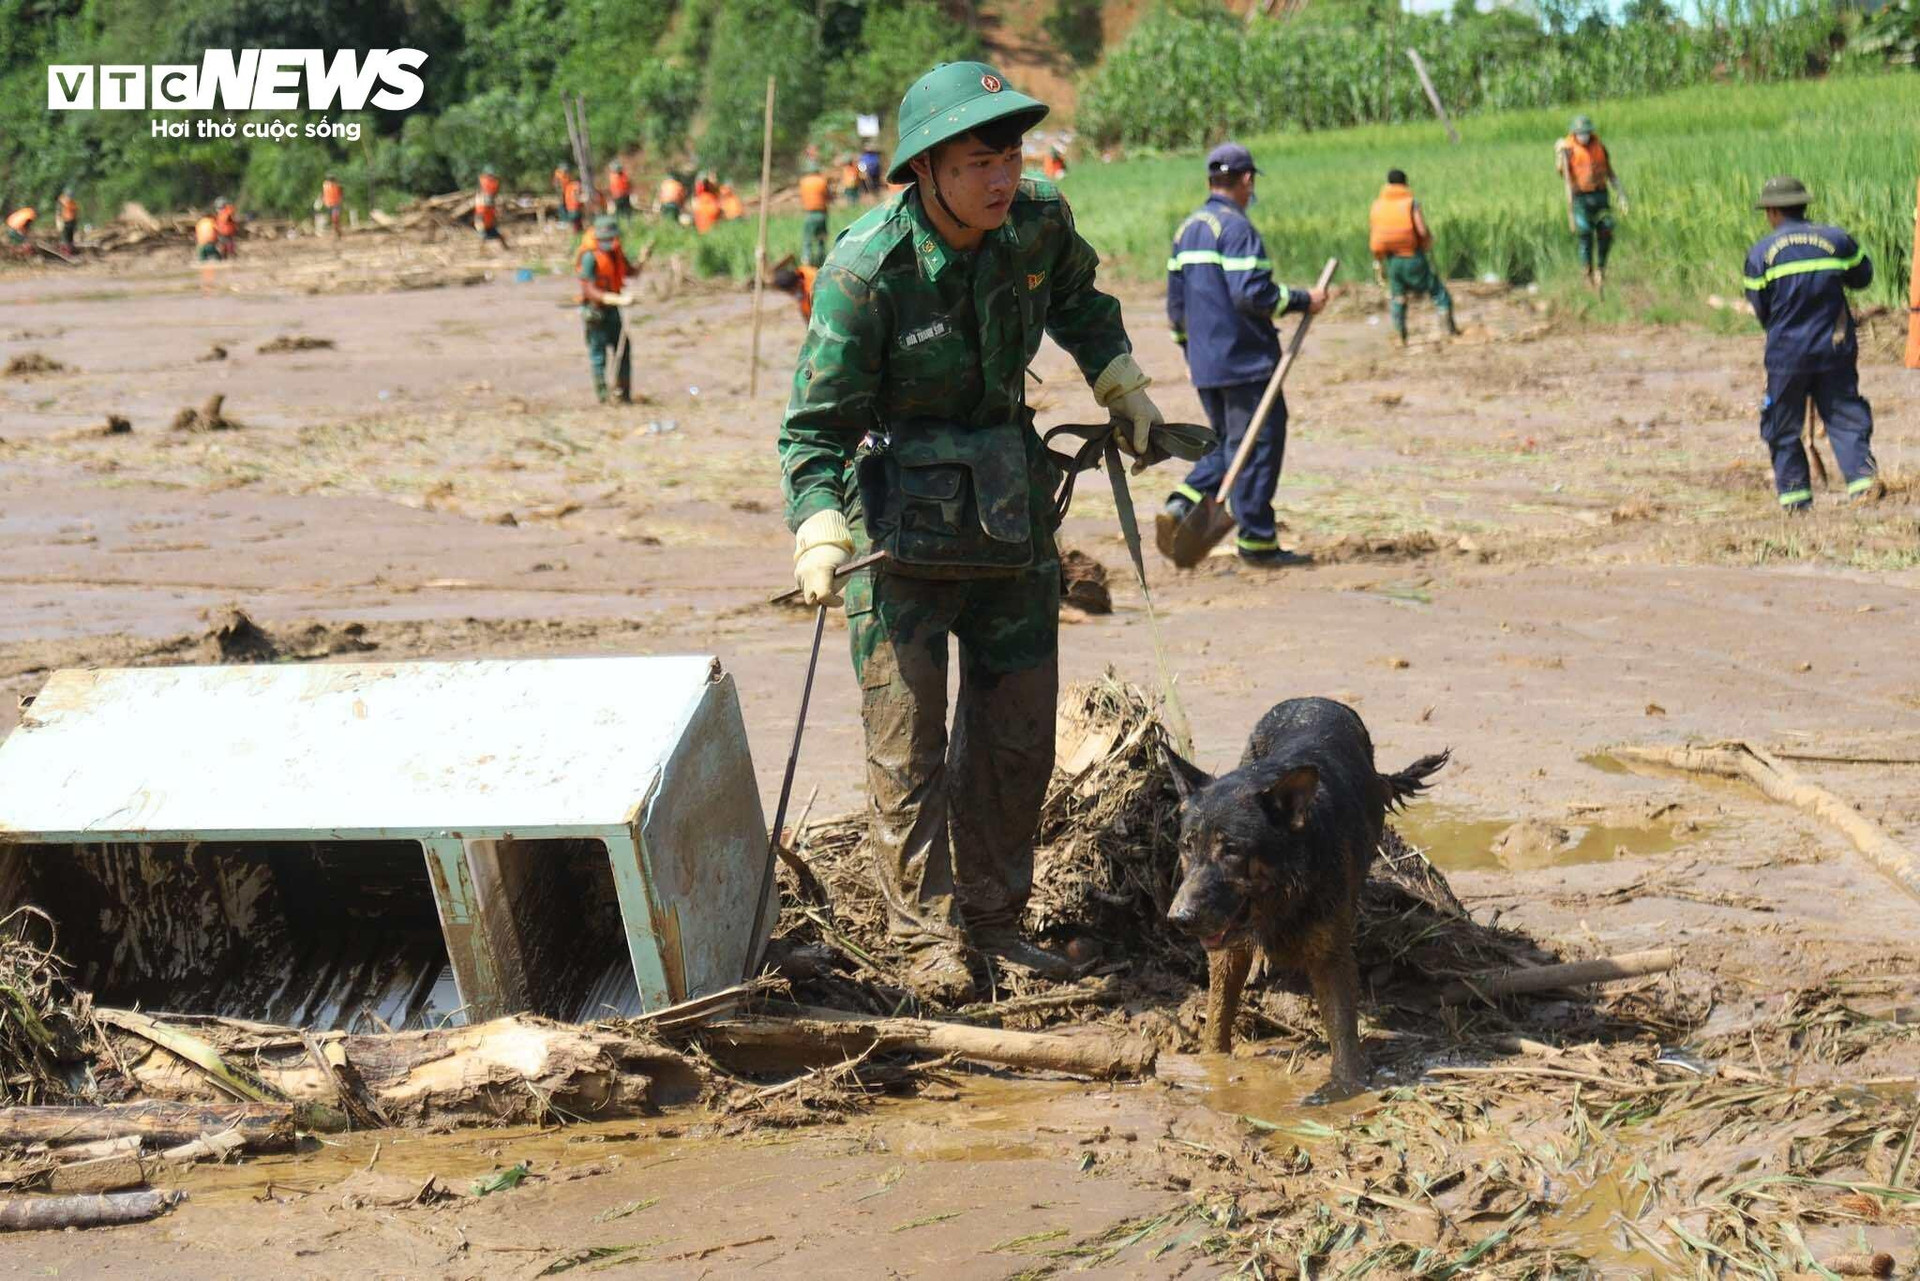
(603,268)
(925,317)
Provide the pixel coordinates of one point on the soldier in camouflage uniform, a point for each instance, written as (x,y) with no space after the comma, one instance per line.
(925,317)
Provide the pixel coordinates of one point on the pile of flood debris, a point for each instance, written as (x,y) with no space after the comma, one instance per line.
(1105,872)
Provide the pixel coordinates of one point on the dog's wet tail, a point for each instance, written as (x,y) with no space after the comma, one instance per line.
(1412,780)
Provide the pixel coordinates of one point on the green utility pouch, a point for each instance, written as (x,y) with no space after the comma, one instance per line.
(945,500)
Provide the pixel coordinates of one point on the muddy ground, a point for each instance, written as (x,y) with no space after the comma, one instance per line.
(1533,543)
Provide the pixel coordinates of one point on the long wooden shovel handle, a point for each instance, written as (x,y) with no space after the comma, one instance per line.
(1272,394)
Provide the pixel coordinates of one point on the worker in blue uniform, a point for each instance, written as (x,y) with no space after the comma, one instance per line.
(1222,301)
(1796,278)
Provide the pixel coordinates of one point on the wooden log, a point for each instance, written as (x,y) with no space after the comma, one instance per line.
(92,1150)
(817,1034)
(1546,978)
(1781,782)
(51,1213)
(267,1127)
(208,1147)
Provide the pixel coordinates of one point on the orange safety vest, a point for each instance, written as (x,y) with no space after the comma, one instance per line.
(1390,229)
(730,204)
(672,191)
(849,177)
(1053,166)
(204,232)
(20,219)
(814,197)
(807,276)
(1588,163)
(330,194)
(705,210)
(489,186)
(618,185)
(69,209)
(570,196)
(225,220)
(559,179)
(609,265)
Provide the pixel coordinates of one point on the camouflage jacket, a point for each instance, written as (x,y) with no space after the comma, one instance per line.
(906,327)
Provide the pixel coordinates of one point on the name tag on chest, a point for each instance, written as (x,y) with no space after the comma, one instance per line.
(925,334)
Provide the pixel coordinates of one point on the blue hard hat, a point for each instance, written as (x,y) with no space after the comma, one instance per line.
(1230,157)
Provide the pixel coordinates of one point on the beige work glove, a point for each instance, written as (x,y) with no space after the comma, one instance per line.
(1121,389)
(616,300)
(822,544)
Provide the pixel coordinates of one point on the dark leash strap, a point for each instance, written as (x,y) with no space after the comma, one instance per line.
(1174,440)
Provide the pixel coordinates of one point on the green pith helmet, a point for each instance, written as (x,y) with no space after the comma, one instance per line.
(605,228)
(1582,126)
(1783,192)
(486,171)
(955,98)
(616,167)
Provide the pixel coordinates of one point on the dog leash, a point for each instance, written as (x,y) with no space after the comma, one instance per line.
(1174,440)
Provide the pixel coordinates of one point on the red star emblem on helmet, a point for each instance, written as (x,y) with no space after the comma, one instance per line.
(990,83)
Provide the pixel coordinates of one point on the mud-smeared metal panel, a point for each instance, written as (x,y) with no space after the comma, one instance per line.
(703,844)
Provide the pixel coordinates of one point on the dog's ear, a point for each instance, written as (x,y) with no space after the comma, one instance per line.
(1287,797)
(1188,778)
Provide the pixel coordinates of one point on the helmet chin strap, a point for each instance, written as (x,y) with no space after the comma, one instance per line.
(933,180)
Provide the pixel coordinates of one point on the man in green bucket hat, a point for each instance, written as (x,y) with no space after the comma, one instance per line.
(1797,278)
(925,316)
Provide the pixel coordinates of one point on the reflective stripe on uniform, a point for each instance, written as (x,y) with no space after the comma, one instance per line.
(1861,485)
(1795,496)
(1212,258)
(1189,493)
(1801,268)
(1246,544)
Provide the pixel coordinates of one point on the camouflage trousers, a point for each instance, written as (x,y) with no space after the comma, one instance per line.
(953,817)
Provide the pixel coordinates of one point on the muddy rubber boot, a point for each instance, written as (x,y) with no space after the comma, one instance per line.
(1453,330)
(1274,558)
(1167,522)
(1010,947)
(939,975)
(1868,495)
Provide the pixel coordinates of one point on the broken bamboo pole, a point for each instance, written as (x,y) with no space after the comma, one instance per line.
(760,258)
(266,1126)
(1781,782)
(1546,978)
(1433,95)
(816,1032)
(51,1213)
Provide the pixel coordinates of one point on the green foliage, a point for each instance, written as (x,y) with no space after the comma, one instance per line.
(752,40)
(898,43)
(665,92)
(1180,81)
(1075,26)
(1692,161)
(1891,34)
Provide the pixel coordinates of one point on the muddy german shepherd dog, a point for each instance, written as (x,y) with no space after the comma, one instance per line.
(1274,854)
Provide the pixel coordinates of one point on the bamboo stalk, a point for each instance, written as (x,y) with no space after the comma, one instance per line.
(1782,783)
(1546,978)
(760,255)
(236,1081)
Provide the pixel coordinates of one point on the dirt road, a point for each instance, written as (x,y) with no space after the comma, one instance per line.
(1531,544)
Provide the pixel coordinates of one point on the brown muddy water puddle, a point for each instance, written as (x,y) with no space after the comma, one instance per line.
(995,1123)
(1459,842)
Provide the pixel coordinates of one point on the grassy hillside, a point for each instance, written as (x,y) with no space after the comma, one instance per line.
(1692,161)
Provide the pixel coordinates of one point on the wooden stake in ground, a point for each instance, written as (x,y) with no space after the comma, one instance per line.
(760,248)
(1913,291)
(1433,95)
(1782,783)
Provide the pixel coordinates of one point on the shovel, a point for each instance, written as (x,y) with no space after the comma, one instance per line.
(1187,541)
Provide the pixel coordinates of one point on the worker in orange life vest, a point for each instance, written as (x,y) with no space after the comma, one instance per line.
(672,195)
(705,207)
(1398,235)
(330,200)
(797,281)
(603,269)
(731,206)
(619,188)
(20,231)
(226,223)
(69,210)
(206,240)
(815,195)
(572,202)
(1586,168)
(486,207)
